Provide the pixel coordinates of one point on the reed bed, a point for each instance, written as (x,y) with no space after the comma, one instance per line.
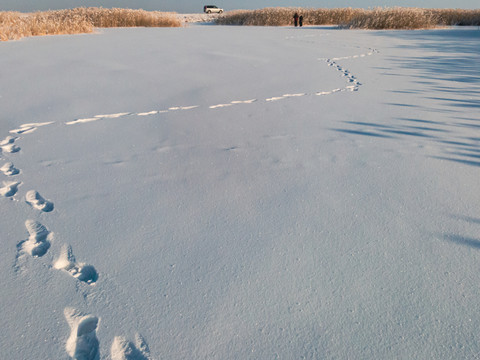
(101,17)
(448,17)
(16,25)
(392,18)
(284,16)
(377,18)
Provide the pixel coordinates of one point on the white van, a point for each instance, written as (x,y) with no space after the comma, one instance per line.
(212,9)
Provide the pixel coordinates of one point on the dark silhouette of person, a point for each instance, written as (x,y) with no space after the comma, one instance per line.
(300,20)
(295,19)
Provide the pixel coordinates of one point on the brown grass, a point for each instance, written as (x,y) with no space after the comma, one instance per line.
(100,17)
(284,16)
(377,18)
(392,18)
(413,18)
(448,17)
(16,25)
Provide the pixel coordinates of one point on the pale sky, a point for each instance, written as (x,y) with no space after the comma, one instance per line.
(196,6)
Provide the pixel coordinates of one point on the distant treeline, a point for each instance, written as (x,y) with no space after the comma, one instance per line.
(377,18)
(15,25)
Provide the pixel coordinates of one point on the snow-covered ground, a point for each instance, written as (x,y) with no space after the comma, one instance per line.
(240,193)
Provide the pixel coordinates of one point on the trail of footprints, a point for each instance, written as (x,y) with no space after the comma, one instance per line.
(39,237)
(352,85)
(83,342)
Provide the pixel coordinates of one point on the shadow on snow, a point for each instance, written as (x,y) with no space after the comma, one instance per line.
(449,81)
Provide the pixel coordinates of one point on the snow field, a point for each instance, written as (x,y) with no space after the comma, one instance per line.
(315,226)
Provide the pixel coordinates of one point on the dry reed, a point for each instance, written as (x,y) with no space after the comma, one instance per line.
(392,18)
(101,17)
(16,25)
(449,17)
(377,18)
(284,16)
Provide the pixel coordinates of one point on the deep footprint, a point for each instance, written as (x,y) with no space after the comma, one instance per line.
(122,349)
(82,343)
(29,128)
(34,199)
(8,145)
(8,140)
(80,271)
(9,169)
(39,239)
(9,188)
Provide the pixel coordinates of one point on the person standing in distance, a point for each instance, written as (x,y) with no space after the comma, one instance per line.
(295,19)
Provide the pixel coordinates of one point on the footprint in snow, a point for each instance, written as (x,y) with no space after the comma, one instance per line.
(10,148)
(9,169)
(182,107)
(8,140)
(97,118)
(154,112)
(234,102)
(220,106)
(112,116)
(34,199)
(8,145)
(82,343)
(38,241)
(122,349)
(244,101)
(9,188)
(80,121)
(78,270)
(29,128)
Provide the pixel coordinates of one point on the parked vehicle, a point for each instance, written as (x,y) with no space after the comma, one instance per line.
(212,9)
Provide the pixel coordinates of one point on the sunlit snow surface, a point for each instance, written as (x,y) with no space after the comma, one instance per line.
(240,193)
